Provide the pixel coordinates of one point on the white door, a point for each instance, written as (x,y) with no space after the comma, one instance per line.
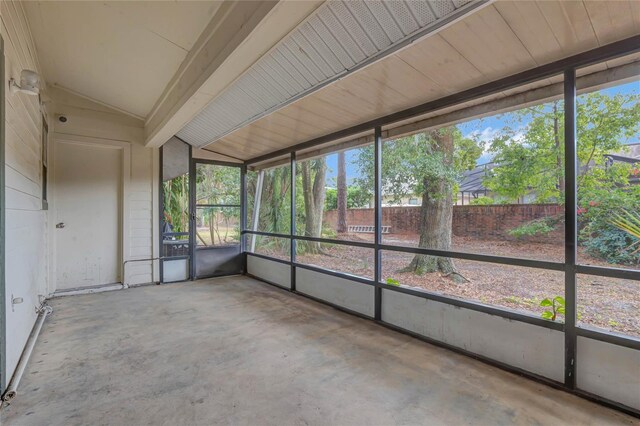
(87,215)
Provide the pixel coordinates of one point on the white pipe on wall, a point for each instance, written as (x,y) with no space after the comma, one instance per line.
(26,354)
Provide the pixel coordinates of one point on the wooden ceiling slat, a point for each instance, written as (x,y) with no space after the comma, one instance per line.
(527,21)
(604,15)
(499,40)
(291,124)
(248,139)
(403,78)
(570,25)
(438,61)
(487,41)
(302,115)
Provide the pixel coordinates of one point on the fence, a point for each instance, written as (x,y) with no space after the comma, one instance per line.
(491,222)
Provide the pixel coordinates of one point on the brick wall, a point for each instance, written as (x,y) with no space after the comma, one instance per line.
(491,222)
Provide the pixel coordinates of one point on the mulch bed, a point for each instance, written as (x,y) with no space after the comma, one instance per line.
(607,303)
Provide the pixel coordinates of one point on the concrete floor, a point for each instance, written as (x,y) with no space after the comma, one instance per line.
(237,351)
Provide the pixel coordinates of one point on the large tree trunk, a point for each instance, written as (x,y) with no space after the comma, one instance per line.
(436,214)
(342,193)
(313,191)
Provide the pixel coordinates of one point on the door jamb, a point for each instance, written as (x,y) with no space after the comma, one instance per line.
(3,316)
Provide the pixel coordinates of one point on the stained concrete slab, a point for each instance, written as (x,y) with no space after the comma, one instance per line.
(238,351)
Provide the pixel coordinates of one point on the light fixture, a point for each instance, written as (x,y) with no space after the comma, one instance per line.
(29,83)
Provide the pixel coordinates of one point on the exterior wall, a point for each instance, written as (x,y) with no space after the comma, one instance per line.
(610,371)
(525,346)
(89,122)
(269,270)
(26,223)
(492,222)
(349,294)
(30,252)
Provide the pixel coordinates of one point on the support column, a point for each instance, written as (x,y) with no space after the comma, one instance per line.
(243,216)
(292,185)
(571,227)
(378,222)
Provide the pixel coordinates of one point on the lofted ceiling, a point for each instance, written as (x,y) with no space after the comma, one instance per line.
(119,53)
(338,38)
(495,41)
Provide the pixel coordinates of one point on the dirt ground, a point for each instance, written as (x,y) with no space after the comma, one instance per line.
(607,303)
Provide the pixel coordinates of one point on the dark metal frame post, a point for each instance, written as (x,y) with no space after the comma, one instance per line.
(571,227)
(161,213)
(243,215)
(292,241)
(378,221)
(192,216)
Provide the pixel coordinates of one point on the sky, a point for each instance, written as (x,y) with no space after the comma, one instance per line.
(485,128)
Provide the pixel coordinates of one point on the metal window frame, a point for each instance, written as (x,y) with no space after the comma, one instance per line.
(161,257)
(569,267)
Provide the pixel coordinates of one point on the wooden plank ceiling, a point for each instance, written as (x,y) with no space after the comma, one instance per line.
(499,40)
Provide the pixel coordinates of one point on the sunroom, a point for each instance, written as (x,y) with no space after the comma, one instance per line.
(325,212)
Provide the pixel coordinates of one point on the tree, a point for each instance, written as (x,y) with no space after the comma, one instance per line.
(427,164)
(342,193)
(313,174)
(357,197)
(530,157)
(530,161)
(274,206)
(176,202)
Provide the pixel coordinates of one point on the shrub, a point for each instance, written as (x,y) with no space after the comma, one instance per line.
(534,227)
(600,238)
(482,201)
(613,245)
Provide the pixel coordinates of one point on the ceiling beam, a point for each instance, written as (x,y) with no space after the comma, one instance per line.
(238,35)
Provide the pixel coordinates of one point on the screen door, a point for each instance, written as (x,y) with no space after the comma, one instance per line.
(216,197)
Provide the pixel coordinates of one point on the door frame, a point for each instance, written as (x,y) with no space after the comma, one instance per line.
(192,211)
(3,316)
(123,194)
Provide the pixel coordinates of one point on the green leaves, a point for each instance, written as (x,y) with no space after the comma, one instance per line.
(409,162)
(548,315)
(529,153)
(391,281)
(557,305)
(546,302)
(628,222)
(534,227)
